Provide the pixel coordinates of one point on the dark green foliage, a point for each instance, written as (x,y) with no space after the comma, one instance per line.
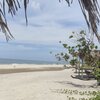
(81,53)
(62,56)
(71,36)
(97,97)
(66,56)
(65,45)
(81,50)
(97,74)
(73,62)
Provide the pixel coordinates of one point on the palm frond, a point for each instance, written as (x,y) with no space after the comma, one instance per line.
(4,28)
(91,12)
(12,6)
(90,9)
(25,7)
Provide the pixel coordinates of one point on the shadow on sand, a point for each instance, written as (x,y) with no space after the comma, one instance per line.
(76,85)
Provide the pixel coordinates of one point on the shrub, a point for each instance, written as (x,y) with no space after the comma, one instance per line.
(97,97)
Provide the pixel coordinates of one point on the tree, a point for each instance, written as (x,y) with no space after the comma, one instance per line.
(90,9)
(80,53)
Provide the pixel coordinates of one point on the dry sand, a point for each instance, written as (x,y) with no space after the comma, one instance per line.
(42,83)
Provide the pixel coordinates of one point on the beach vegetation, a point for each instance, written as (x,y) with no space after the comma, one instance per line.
(80,55)
(97,97)
(83,95)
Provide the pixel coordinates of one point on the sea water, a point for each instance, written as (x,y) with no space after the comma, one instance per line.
(20,61)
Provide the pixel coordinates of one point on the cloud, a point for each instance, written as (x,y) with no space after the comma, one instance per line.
(49,23)
(70,23)
(35,5)
(46,34)
(28,51)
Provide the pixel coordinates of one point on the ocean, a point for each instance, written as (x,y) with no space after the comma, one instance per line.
(20,61)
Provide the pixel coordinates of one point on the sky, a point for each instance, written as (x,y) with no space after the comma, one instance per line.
(48,23)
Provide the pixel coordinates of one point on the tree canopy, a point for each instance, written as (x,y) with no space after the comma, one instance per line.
(90,10)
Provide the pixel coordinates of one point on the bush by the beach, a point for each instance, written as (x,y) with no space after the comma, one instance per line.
(84,95)
(97,97)
(82,53)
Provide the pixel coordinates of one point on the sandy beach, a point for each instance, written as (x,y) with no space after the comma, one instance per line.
(40,82)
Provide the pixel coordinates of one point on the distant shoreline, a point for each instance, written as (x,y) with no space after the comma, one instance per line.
(22,61)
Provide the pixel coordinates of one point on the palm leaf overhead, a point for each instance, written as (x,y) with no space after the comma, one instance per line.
(90,10)
(12,7)
(93,18)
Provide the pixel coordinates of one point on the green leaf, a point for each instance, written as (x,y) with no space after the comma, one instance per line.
(65,45)
(71,36)
(81,39)
(96,47)
(84,43)
(62,54)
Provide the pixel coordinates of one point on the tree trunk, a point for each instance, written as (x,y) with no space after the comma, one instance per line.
(82,70)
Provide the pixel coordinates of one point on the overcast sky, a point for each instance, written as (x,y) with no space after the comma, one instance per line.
(48,23)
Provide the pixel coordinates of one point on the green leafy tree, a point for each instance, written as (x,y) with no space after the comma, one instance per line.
(81,53)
